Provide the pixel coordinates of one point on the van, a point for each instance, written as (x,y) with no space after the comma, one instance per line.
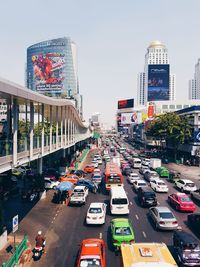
(119,203)
(137,163)
(187,248)
(147,197)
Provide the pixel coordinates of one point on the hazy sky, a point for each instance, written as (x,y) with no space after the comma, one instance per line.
(112,37)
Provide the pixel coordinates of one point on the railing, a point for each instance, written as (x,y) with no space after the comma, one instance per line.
(18,252)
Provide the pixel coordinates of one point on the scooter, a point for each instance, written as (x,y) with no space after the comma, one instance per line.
(37,253)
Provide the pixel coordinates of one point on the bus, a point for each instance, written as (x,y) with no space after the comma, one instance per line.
(113,175)
(146,254)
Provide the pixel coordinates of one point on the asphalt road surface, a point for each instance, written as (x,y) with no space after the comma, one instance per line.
(69,229)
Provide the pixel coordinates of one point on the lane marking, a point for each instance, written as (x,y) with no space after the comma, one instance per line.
(158,203)
(54,218)
(52,221)
(136,216)
(144,234)
(131,203)
(100,235)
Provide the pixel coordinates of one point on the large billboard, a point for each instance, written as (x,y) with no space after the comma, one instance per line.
(128,118)
(48,72)
(126,103)
(158,82)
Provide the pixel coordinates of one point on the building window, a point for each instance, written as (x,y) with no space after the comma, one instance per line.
(172,106)
(179,106)
(164,106)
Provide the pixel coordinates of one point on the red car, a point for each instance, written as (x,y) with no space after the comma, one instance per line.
(181,202)
(92,253)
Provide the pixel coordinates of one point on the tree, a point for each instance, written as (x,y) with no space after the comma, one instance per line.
(174,129)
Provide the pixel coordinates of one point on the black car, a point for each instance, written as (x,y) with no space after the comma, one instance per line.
(127,171)
(187,248)
(196,195)
(89,184)
(193,221)
(147,197)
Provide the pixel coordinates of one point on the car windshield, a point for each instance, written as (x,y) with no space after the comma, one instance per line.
(161,183)
(192,246)
(189,184)
(78,194)
(153,174)
(96,177)
(149,194)
(119,201)
(90,263)
(185,199)
(95,210)
(166,215)
(142,184)
(122,231)
(78,191)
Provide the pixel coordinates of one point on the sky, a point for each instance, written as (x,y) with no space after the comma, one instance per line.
(111,37)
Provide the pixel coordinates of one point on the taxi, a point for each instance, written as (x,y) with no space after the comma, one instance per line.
(181,202)
(89,168)
(69,178)
(92,253)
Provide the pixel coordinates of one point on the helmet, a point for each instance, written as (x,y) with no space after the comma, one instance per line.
(39,232)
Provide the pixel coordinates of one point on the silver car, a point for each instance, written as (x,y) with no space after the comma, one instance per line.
(163,218)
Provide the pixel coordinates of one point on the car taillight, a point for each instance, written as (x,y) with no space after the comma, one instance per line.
(175,222)
(161,222)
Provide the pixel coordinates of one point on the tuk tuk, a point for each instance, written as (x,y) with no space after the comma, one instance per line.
(163,172)
(173,176)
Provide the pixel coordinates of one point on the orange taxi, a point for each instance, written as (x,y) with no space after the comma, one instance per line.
(69,178)
(89,168)
(92,253)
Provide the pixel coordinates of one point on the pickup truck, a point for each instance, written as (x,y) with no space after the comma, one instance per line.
(79,195)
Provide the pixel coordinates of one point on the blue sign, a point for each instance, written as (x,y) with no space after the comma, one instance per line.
(197,136)
(158,82)
(15,222)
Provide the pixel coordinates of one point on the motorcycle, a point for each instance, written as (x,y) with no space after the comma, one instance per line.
(37,253)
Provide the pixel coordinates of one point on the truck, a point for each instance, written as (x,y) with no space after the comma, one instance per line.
(155,163)
(146,254)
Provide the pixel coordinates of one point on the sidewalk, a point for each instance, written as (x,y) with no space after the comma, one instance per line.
(187,172)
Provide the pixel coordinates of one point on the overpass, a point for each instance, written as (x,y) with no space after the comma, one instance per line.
(35,126)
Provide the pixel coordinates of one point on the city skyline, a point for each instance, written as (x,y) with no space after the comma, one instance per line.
(110,51)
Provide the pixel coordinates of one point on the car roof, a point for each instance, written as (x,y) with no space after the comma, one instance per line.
(186,181)
(91,247)
(96,204)
(79,187)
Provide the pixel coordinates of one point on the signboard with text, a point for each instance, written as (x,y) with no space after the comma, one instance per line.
(126,103)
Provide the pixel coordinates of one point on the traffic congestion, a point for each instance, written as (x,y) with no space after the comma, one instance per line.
(126,203)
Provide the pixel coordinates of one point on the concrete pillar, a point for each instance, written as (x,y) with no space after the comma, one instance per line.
(50,137)
(68,131)
(15,129)
(56,126)
(31,128)
(40,164)
(71,133)
(65,125)
(9,126)
(61,126)
(42,145)
(64,153)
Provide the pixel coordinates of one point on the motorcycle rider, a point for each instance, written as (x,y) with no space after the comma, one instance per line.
(40,241)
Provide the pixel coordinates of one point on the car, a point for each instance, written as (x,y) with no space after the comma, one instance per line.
(163,172)
(139,183)
(95,163)
(97,178)
(96,213)
(79,195)
(80,173)
(96,171)
(195,195)
(51,173)
(69,178)
(181,202)
(187,248)
(99,160)
(92,253)
(89,184)
(146,197)
(89,169)
(133,176)
(143,169)
(121,232)
(49,184)
(146,162)
(159,186)
(193,221)
(163,218)
(185,185)
(151,175)
(126,170)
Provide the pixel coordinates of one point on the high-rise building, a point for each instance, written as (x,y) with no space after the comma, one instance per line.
(156,82)
(194,84)
(52,68)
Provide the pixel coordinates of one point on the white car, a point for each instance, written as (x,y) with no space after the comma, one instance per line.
(99,160)
(96,213)
(94,163)
(79,195)
(50,184)
(132,177)
(146,162)
(185,185)
(143,169)
(139,183)
(159,186)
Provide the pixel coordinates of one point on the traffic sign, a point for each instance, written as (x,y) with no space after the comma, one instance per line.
(15,222)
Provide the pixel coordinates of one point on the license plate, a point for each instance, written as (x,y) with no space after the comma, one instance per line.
(94,218)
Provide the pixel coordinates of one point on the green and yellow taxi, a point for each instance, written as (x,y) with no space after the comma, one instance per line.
(163,172)
(121,232)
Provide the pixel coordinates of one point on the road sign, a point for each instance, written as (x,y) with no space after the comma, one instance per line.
(15,223)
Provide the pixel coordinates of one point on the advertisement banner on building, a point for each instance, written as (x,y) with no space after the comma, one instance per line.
(151,110)
(158,82)
(128,118)
(197,136)
(48,72)
(126,103)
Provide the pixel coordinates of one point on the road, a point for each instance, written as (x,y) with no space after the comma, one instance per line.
(69,229)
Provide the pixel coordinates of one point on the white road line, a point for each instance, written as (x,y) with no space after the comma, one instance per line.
(54,218)
(131,203)
(136,216)
(52,221)
(144,234)
(158,203)
(100,235)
